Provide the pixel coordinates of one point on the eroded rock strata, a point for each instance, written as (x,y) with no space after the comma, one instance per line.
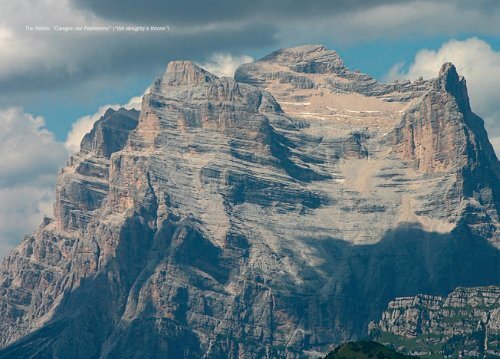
(466,323)
(271,215)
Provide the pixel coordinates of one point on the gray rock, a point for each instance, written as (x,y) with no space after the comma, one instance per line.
(237,222)
(465,323)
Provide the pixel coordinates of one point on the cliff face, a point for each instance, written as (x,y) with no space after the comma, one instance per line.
(440,134)
(465,323)
(273,215)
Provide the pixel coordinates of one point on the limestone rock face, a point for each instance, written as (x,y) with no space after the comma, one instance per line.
(83,185)
(110,132)
(464,323)
(270,215)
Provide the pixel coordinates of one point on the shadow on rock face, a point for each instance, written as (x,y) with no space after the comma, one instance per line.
(407,261)
(100,317)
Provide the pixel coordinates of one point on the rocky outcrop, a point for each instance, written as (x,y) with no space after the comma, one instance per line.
(462,324)
(270,215)
(440,133)
(109,134)
(36,275)
(83,185)
(300,67)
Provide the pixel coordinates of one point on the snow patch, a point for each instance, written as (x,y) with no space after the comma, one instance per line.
(296,103)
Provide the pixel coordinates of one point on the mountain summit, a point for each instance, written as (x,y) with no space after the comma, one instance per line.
(271,215)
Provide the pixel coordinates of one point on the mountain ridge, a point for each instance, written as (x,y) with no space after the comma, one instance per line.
(269,215)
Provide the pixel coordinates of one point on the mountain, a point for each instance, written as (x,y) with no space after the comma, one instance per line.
(466,323)
(271,215)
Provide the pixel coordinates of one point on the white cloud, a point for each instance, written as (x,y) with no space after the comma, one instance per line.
(84,124)
(225,64)
(30,158)
(24,51)
(478,63)
(29,161)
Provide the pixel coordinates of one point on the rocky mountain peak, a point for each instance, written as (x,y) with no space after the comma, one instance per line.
(449,80)
(267,216)
(448,68)
(83,185)
(301,72)
(186,73)
(188,82)
(110,132)
(307,59)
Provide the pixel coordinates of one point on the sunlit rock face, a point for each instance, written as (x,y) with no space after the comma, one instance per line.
(465,323)
(271,215)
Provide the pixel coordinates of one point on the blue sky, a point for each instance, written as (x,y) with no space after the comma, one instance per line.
(61,112)
(54,84)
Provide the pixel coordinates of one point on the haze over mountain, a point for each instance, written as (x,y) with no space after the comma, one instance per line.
(271,215)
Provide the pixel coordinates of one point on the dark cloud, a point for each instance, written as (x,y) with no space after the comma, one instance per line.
(196,12)
(484,6)
(78,57)
(43,62)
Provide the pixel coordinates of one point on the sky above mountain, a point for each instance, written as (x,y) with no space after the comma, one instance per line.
(54,83)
